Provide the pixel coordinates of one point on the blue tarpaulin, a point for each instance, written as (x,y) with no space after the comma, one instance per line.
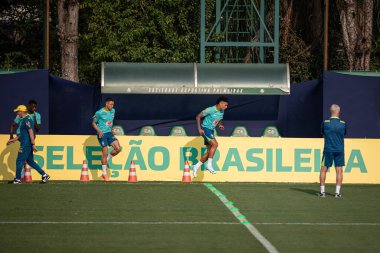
(67,107)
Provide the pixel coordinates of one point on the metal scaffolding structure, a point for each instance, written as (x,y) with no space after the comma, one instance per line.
(239,31)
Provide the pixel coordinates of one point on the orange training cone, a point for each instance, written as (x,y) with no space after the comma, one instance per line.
(84,174)
(23,174)
(132,173)
(186,178)
(28,174)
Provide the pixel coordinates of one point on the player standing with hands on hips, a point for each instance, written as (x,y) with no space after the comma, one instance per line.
(103,123)
(333,130)
(213,117)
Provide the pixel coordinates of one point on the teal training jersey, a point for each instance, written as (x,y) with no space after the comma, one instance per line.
(38,117)
(104,119)
(17,120)
(212,117)
(333,130)
(26,123)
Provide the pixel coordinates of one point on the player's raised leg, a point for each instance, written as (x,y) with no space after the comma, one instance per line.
(213,147)
(201,161)
(116,149)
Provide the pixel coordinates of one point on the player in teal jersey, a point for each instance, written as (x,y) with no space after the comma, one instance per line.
(102,123)
(35,116)
(213,117)
(333,130)
(27,146)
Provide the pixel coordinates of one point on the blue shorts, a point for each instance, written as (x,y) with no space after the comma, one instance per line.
(208,136)
(333,157)
(107,139)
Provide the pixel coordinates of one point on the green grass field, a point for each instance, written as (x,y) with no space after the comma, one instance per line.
(175,217)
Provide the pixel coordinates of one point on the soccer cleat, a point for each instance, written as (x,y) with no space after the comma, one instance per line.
(321,194)
(212,171)
(15,181)
(105,178)
(45,178)
(338,195)
(194,171)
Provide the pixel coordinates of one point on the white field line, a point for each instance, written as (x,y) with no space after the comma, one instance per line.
(189,223)
(235,211)
(320,223)
(124,222)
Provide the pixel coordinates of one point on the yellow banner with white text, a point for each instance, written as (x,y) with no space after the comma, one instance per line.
(162,158)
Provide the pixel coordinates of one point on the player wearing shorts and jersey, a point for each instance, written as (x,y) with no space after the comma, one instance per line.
(333,130)
(103,123)
(213,117)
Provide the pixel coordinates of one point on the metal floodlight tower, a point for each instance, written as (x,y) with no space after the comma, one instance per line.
(239,32)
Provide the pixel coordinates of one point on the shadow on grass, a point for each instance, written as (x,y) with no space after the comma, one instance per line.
(309,191)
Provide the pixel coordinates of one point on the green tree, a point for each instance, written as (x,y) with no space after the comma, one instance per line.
(21,33)
(138,31)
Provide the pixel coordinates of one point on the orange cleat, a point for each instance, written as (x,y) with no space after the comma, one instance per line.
(105,178)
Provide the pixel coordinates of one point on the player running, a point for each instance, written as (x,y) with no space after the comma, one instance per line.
(102,123)
(333,130)
(213,117)
(27,145)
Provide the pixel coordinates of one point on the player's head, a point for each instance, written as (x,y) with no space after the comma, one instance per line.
(32,106)
(335,110)
(109,103)
(21,110)
(222,102)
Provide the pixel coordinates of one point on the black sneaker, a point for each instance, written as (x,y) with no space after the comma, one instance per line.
(45,178)
(321,194)
(338,195)
(15,181)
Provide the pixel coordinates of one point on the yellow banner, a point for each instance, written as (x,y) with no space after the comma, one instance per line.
(162,158)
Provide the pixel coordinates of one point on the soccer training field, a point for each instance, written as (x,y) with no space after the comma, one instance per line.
(175,217)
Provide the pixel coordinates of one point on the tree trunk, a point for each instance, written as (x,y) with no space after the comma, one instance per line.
(287,21)
(357,32)
(316,23)
(68,12)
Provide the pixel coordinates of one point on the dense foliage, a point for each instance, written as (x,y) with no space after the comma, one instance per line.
(156,31)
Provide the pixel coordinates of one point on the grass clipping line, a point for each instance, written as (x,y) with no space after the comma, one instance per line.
(242,219)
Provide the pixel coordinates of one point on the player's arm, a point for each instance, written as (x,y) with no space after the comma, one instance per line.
(12,129)
(323,129)
(220,125)
(95,126)
(95,119)
(345,129)
(31,136)
(36,124)
(12,140)
(198,118)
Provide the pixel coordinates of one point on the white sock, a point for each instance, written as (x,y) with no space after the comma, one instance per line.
(104,168)
(199,164)
(209,163)
(322,188)
(109,157)
(337,189)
